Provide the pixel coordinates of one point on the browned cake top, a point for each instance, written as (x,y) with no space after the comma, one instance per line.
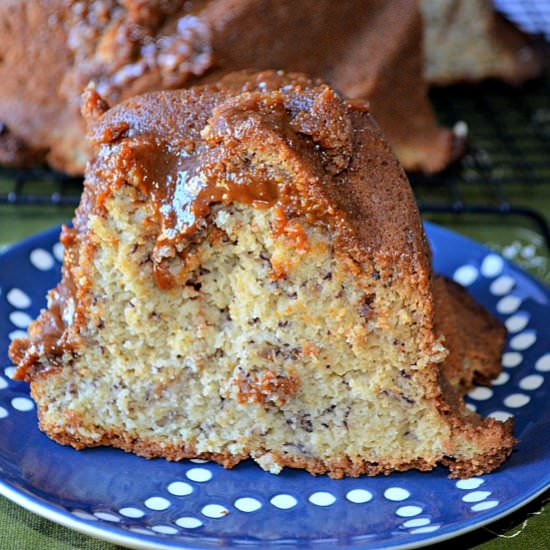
(267,139)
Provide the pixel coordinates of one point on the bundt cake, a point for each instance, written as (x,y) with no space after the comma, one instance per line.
(247,276)
(470,41)
(365,48)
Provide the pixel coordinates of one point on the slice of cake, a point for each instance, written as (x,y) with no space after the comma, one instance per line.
(248,276)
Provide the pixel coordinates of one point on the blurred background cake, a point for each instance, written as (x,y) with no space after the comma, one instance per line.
(370,49)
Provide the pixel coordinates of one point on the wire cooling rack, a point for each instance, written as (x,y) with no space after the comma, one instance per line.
(40,186)
(507,164)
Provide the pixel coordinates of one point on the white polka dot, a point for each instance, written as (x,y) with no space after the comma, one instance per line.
(512,250)
(501,379)
(516,400)
(517,322)
(84,515)
(247,504)
(164,529)
(180,488)
(10,372)
(511,359)
(214,511)
(543,364)
(198,461)
(130,512)
(3,412)
(523,341)
(481,393)
(531,382)
(465,275)
(3,384)
(417,522)
(471,407)
(17,298)
(528,251)
(157,503)
(476,496)
(427,529)
(42,259)
(469,484)
(199,474)
(18,334)
(487,505)
(508,304)
(359,496)
(408,511)
(20,319)
(492,265)
(396,494)
(188,522)
(503,285)
(322,498)
(502,416)
(284,502)
(58,250)
(22,404)
(106,516)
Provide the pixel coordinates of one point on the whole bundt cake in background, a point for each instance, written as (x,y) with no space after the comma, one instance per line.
(248,276)
(372,49)
(365,48)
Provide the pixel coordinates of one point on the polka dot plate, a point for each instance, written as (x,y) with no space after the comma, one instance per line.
(156,504)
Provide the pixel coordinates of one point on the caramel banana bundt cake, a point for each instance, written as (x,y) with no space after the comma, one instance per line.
(247,276)
(365,48)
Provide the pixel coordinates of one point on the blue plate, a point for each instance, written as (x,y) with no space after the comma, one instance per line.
(157,504)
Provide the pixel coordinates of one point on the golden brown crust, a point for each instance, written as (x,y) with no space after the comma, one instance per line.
(494,437)
(336,468)
(16,152)
(479,465)
(384,216)
(34,61)
(388,77)
(474,338)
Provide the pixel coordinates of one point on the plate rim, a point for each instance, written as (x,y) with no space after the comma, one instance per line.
(109,534)
(112,534)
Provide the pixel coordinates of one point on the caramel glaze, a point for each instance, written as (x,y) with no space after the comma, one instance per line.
(266,139)
(255,146)
(48,337)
